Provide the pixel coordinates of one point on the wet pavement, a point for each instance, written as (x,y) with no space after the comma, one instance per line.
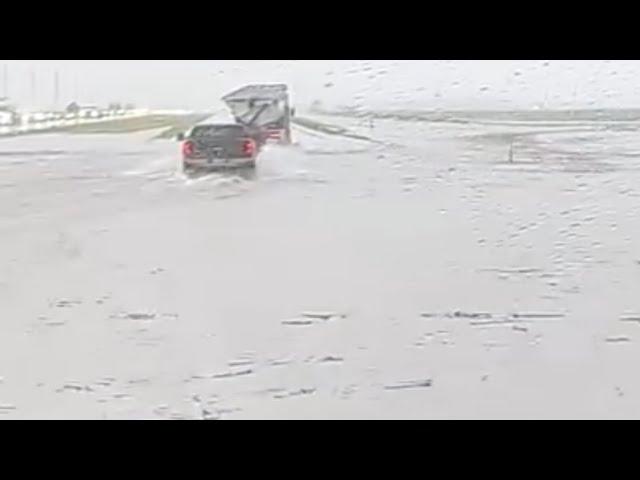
(422,275)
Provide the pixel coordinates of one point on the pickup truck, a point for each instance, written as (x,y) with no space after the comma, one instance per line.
(219,145)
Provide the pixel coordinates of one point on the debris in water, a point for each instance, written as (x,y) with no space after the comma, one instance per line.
(522,271)
(55,324)
(302,391)
(269,391)
(618,339)
(140,316)
(296,393)
(67,303)
(139,381)
(240,373)
(540,316)
(207,415)
(74,387)
(331,359)
(240,363)
(472,315)
(519,328)
(491,323)
(104,383)
(297,322)
(409,385)
(226,411)
(548,275)
(634,319)
(279,363)
(321,315)
(103,299)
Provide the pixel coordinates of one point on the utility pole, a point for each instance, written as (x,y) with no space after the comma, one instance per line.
(5,81)
(56,89)
(33,87)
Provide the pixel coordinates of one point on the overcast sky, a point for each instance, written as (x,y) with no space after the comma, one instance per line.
(499,84)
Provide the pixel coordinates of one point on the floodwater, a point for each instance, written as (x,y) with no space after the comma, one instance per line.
(419,275)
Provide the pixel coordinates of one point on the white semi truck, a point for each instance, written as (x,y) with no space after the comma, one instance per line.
(266,108)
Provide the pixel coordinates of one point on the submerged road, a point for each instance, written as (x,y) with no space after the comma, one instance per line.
(422,276)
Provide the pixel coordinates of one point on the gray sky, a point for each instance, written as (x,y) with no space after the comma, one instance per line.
(500,84)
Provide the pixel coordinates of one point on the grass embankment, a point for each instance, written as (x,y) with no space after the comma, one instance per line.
(174,124)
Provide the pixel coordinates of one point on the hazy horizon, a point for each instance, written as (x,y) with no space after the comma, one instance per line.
(453,84)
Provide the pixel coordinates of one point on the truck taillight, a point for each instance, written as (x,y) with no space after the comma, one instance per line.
(188,148)
(249,147)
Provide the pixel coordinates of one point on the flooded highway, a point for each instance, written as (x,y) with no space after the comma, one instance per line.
(407,270)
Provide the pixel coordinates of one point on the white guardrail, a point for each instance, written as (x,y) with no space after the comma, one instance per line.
(44,125)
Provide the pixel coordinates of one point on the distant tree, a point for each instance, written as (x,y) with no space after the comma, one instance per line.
(73,107)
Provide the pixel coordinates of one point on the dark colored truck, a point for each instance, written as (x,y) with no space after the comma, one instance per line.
(219,145)
(266,108)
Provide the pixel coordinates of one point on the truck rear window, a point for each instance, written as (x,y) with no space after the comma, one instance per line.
(218,131)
